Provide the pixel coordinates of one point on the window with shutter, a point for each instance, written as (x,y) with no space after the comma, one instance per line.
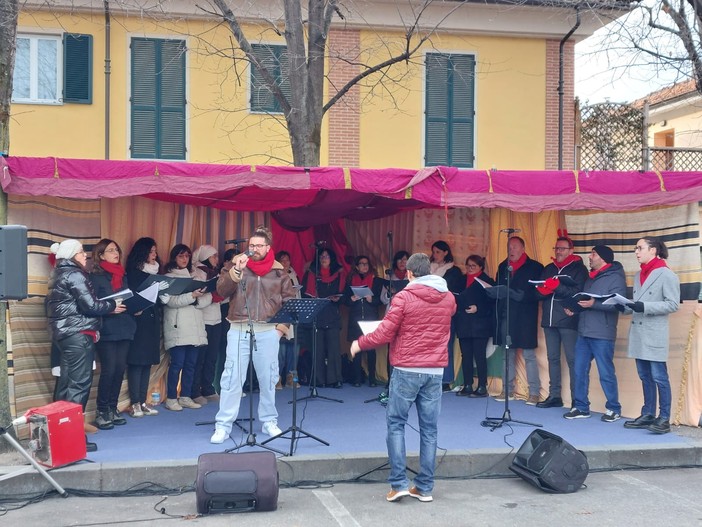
(78,68)
(275,60)
(157,99)
(38,72)
(450,110)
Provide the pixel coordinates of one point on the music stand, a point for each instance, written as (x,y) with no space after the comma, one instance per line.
(293,312)
(500,292)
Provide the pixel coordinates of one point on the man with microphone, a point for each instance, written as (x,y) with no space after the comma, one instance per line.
(257,286)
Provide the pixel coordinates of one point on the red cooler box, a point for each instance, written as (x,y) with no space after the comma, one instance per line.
(57,436)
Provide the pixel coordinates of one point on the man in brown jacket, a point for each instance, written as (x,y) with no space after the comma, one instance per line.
(257,286)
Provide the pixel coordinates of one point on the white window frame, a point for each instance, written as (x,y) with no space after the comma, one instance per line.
(33,98)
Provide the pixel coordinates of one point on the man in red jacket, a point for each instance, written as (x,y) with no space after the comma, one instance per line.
(417,327)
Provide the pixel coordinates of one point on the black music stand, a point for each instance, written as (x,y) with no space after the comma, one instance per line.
(293,312)
(500,292)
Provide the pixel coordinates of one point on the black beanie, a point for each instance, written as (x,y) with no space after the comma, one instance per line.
(605,253)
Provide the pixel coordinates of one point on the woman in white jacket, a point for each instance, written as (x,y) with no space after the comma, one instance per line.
(183,330)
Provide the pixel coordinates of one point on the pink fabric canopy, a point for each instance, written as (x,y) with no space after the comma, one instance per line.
(302,197)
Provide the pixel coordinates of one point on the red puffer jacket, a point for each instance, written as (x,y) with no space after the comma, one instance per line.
(417,325)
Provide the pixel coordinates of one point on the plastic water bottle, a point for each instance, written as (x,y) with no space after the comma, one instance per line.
(156,398)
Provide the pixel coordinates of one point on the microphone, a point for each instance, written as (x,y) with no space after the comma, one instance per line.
(249,253)
(510,230)
(316,244)
(389,235)
(235,241)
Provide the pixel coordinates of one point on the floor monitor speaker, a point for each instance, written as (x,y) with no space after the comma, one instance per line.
(242,482)
(550,463)
(13,262)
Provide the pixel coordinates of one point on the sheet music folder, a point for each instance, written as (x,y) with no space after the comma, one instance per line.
(299,310)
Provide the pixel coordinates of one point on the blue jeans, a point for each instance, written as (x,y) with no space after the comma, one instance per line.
(183,358)
(265,363)
(654,375)
(423,390)
(602,351)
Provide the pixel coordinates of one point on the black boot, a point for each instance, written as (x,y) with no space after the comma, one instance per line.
(659,426)
(90,447)
(104,420)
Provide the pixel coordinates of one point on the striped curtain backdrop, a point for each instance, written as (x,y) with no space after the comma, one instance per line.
(678,227)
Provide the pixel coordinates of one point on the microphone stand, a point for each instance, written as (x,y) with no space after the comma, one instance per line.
(496,422)
(251,437)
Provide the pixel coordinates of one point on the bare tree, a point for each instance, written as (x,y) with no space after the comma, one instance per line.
(658,37)
(8,31)
(306,33)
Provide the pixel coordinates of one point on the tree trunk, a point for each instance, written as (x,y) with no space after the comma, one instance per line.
(8,34)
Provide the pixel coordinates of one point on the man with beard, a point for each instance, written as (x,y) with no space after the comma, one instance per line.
(257,286)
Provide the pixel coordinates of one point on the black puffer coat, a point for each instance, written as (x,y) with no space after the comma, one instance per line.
(71,304)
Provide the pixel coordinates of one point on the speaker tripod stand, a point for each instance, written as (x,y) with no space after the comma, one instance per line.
(292,312)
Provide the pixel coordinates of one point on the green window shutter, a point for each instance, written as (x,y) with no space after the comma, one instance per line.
(158,99)
(77,68)
(275,60)
(450,110)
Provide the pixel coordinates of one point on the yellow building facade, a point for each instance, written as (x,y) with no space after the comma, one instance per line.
(382,122)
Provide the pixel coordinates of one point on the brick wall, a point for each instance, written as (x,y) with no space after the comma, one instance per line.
(344,116)
(552,66)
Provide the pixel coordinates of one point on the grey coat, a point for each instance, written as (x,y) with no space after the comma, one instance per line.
(648,334)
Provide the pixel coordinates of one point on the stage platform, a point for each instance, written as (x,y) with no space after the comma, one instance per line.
(164,448)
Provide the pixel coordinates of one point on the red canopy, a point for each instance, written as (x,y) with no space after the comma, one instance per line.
(302,197)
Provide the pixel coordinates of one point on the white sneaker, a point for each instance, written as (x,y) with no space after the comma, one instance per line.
(219,436)
(187,402)
(172,404)
(271,428)
(148,410)
(136,410)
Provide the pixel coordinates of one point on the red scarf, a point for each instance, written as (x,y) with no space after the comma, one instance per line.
(324,276)
(593,274)
(516,265)
(357,280)
(262,267)
(401,275)
(470,278)
(647,269)
(569,259)
(117,272)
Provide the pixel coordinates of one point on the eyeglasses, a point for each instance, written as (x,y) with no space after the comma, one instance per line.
(112,250)
(363,263)
(254,246)
(472,266)
(561,248)
(640,248)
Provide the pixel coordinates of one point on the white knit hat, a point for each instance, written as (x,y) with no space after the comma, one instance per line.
(203,252)
(67,249)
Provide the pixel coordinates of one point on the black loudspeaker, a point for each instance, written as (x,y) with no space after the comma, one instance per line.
(236,482)
(13,262)
(550,463)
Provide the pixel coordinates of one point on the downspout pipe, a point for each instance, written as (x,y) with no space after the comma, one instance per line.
(561,88)
(106,4)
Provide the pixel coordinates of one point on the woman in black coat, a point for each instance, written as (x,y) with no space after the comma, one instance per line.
(475,324)
(145,348)
(442,264)
(108,277)
(362,308)
(325,279)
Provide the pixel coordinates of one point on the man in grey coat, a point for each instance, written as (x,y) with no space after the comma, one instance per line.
(656,296)
(597,332)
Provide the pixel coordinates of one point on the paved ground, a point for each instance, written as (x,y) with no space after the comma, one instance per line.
(661,497)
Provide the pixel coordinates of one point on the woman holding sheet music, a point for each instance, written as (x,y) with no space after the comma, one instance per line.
(145,348)
(325,279)
(108,277)
(362,308)
(183,330)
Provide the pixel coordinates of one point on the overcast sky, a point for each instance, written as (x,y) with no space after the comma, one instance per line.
(606,71)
